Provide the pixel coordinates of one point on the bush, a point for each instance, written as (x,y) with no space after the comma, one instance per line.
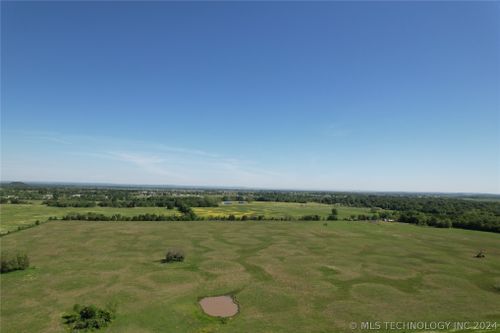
(481,254)
(310,218)
(12,262)
(88,318)
(174,255)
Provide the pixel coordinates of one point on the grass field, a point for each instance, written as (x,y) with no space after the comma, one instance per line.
(286,276)
(279,209)
(12,216)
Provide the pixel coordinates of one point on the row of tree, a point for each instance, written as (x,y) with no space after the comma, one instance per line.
(118,217)
(160,201)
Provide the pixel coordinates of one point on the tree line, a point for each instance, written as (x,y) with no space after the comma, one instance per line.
(160,201)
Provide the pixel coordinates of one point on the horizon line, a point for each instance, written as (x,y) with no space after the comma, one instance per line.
(236,187)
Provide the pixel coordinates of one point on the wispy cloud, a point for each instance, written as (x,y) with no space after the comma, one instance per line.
(186,151)
(160,163)
(123,160)
(43,136)
(175,165)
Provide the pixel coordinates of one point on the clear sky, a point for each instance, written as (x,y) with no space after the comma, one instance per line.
(399,96)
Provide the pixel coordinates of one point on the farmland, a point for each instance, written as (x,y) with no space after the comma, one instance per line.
(293,261)
(286,276)
(13,216)
(278,209)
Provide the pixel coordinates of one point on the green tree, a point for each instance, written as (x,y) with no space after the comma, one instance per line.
(333,216)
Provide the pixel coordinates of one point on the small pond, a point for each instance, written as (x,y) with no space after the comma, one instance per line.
(219,306)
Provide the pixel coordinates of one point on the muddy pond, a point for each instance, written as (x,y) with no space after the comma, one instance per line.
(219,306)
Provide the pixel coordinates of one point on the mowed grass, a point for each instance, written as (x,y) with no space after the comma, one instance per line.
(279,209)
(286,276)
(12,216)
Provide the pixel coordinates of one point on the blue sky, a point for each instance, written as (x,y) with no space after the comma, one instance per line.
(392,96)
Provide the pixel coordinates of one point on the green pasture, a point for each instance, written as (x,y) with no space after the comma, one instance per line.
(278,209)
(286,276)
(14,215)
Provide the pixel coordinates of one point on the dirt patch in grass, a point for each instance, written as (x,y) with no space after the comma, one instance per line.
(219,306)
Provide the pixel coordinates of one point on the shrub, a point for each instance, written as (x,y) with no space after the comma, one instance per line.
(481,254)
(334,215)
(174,255)
(88,318)
(310,218)
(12,262)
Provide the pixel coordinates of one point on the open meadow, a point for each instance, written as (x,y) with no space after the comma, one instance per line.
(14,215)
(269,209)
(285,276)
